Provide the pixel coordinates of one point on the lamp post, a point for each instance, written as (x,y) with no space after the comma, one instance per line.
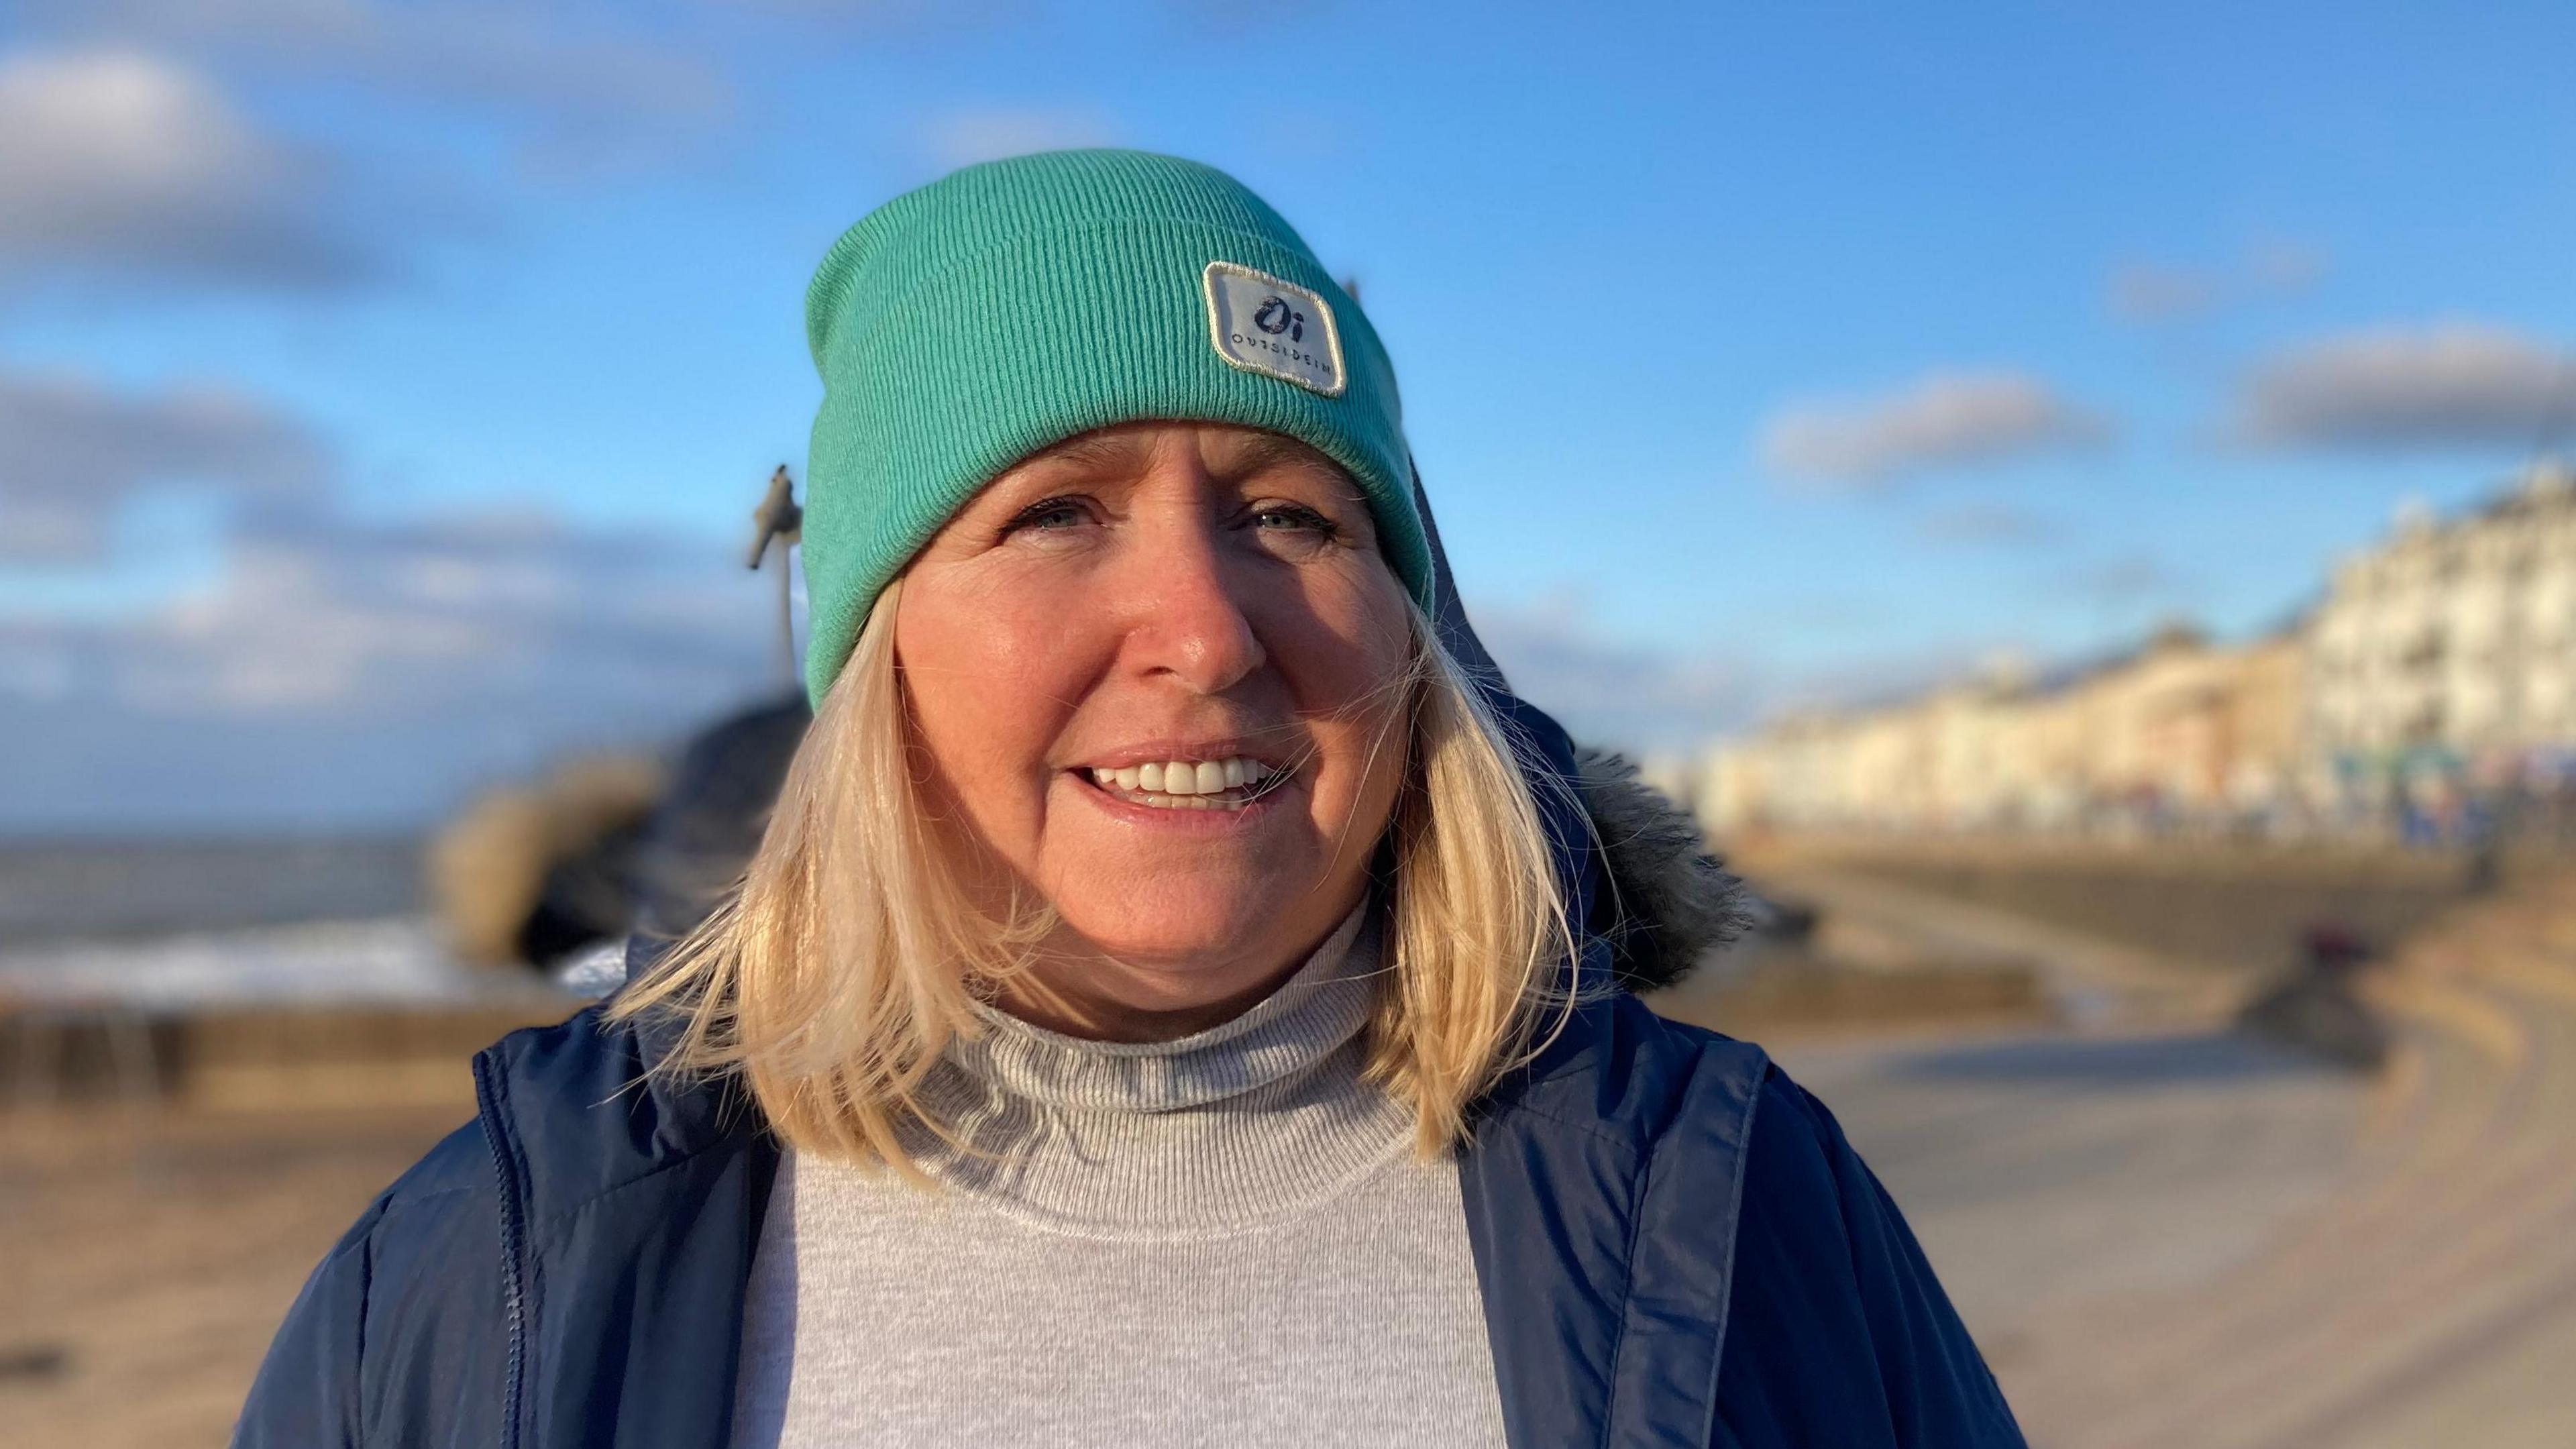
(779,520)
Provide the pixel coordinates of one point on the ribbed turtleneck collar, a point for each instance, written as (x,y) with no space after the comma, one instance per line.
(1262,1116)
(1321,1005)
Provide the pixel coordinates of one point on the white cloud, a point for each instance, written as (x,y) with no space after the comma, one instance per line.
(354,666)
(454,612)
(1945,420)
(2130,578)
(2280,264)
(1995,524)
(533,59)
(2158,292)
(1609,693)
(570,88)
(2155,292)
(2457,384)
(989,133)
(74,452)
(120,163)
(358,670)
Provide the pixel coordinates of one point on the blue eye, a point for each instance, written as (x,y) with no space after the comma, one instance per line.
(1298,517)
(1051,515)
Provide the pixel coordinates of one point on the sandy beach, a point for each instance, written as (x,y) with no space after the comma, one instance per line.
(146,1261)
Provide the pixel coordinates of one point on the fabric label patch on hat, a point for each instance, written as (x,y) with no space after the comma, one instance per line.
(1262,324)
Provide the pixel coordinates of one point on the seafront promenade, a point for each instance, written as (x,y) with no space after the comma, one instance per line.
(2162,1231)
(2166,1233)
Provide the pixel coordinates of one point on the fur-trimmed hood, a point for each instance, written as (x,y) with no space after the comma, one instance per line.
(1673,900)
(1668,901)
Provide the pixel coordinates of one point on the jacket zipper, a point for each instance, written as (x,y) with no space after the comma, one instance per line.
(513,1240)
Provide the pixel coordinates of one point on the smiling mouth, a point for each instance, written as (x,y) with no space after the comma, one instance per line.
(1228,784)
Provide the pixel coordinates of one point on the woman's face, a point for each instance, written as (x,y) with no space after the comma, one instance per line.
(1105,652)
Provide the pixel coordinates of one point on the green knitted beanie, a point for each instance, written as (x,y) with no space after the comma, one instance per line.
(1008,306)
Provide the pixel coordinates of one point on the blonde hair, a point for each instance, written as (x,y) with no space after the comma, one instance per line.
(833,974)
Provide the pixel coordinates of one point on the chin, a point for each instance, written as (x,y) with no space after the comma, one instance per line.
(1174,923)
(1170,938)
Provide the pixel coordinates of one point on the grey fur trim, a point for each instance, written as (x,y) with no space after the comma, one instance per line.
(1671,901)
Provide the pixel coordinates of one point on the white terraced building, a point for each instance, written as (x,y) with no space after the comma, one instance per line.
(2458,635)
(2178,727)
(2443,657)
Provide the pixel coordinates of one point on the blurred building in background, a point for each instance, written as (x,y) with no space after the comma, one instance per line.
(2178,727)
(2456,636)
(2431,695)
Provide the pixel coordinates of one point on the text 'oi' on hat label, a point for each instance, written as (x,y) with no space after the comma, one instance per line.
(1263,324)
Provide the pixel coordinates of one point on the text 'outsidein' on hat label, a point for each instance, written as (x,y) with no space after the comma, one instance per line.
(1263,324)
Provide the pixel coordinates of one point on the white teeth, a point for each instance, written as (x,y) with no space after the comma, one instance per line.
(1185,784)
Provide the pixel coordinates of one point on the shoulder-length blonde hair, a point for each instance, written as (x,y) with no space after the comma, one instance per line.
(835,970)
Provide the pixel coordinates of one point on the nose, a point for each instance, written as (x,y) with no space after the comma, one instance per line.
(1187,616)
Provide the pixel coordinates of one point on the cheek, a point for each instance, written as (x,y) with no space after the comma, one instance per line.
(1343,631)
(1348,666)
(979,680)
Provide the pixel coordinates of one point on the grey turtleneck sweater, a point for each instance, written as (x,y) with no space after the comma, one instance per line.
(1219,1240)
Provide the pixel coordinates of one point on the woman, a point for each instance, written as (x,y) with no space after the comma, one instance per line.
(1180,996)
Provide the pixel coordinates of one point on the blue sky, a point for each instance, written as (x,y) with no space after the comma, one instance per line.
(383,386)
